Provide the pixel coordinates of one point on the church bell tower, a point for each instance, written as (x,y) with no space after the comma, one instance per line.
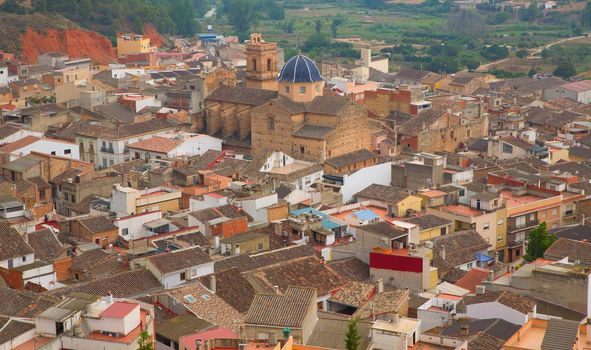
(261,65)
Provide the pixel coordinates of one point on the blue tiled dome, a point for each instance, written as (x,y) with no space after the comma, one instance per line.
(300,69)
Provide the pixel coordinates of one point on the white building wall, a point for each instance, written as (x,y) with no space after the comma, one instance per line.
(173,279)
(123,200)
(257,208)
(18,340)
(135,224)
(20,134)
(3,75)
(18,261)
(207,202)
(496,310)
(378,174)
(44,276)
(197,146)
(49,146)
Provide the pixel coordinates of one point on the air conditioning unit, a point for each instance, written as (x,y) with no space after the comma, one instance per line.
(429,244)
(480,289)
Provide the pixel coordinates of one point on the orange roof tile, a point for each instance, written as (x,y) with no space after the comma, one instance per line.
(473,278)
(25,141)
(156,144)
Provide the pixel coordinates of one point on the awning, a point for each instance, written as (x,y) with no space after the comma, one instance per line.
(480,257)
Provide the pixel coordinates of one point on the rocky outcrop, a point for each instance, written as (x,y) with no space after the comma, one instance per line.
(156,39)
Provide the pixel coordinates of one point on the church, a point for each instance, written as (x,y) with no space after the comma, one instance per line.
(288,111)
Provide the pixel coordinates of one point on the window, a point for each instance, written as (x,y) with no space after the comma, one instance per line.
(68,151)
(520,221)
(462,192)
(271,123)
(518,252)
(302,149)
(469,265)
(468,133)
(53,153)
(317,88)
(500,222)
(554,211)
(486,226)
(499,238)
(125,231)
(137,155)
(507,148)
(183,276)
(287,89)
(254,65)
(73,198)
(24,259)
(260,247)
(269,64)
(443,231)
(302,89)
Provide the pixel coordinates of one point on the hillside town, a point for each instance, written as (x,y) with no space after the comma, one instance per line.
(221,196)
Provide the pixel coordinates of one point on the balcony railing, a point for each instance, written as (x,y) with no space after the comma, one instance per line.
(528,225)
(107,150)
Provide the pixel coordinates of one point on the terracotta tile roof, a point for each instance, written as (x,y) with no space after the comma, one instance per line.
(12,244)
(514,301)
(208,306)
(156,144)
(495,327)
(517,142)
(98,263)
(232,287)
(16,145)
(241,95)
(353,294)
(383,228)
(243,262)
(24,303)
(289,310)
(128,130)
(228,211)
(421,121)
(459,247)
(574,250)
(313,132)
(352,269)
(560,334)
(302,272)
(97,224)
(7,130)
(123,285)
(472,278)
(177,260)
(392,194)
(429,221)
(283,255)
(351,158)
(45,244)
(484,341)
(330,332)
(389,301)
(10,329)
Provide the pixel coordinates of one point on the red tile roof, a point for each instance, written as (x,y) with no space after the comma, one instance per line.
(119,309)
(156,144)
(25,141)
(473,278)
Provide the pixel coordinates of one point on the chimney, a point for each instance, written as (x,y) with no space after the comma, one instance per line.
(366,57)
(276,289)
(465,330)
(212,283)
(442,252)
(272,339)
(154,299)
(379,286)
(197,343)
(583,219)
(395,317)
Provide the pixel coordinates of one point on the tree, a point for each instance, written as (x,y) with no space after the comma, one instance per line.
(500,18)
(85,10)
(242,16)
(472,63)
(530,13)
(374,4)
(494,52)
(467,23)
(538,241)
(533,71)
(144,342)
(336,23)
(200,7)
(290,26)
(318,26)
(545,54)
(586,15)
(183,15)
(352,337)
(315,41)
(41,5)
(565,69)
(522,53)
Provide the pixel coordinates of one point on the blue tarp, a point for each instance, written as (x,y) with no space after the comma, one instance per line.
(480,257)
(366,215)
(327,224)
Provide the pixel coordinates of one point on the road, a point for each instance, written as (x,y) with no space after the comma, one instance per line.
(536,51)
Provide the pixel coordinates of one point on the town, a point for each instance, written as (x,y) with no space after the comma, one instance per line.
(222,195)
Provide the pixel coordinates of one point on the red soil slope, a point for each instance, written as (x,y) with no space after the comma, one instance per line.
(77,43)
(155,38)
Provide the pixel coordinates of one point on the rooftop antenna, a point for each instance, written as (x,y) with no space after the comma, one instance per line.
(298,45)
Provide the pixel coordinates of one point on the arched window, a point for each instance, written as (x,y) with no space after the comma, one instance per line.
(254,64)
(269,65)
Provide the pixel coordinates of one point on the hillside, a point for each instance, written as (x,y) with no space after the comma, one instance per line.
(39,33)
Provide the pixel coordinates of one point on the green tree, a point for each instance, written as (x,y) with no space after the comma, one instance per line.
(200,7)
(290,26)
(586,15)
(545,54)
(318,26)
(500,18)
(336,23)
(533,71)
(85,10)
(530,13)
(467,23)
(144,342)
(242,16)
(40,5)
(316,41)
(374,4)
(565,69)
(522,53)
(538,241)
(183,16)
(472,63)
(352,337)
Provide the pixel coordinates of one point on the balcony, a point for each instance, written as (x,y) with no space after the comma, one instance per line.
(529,225)
(107,150)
